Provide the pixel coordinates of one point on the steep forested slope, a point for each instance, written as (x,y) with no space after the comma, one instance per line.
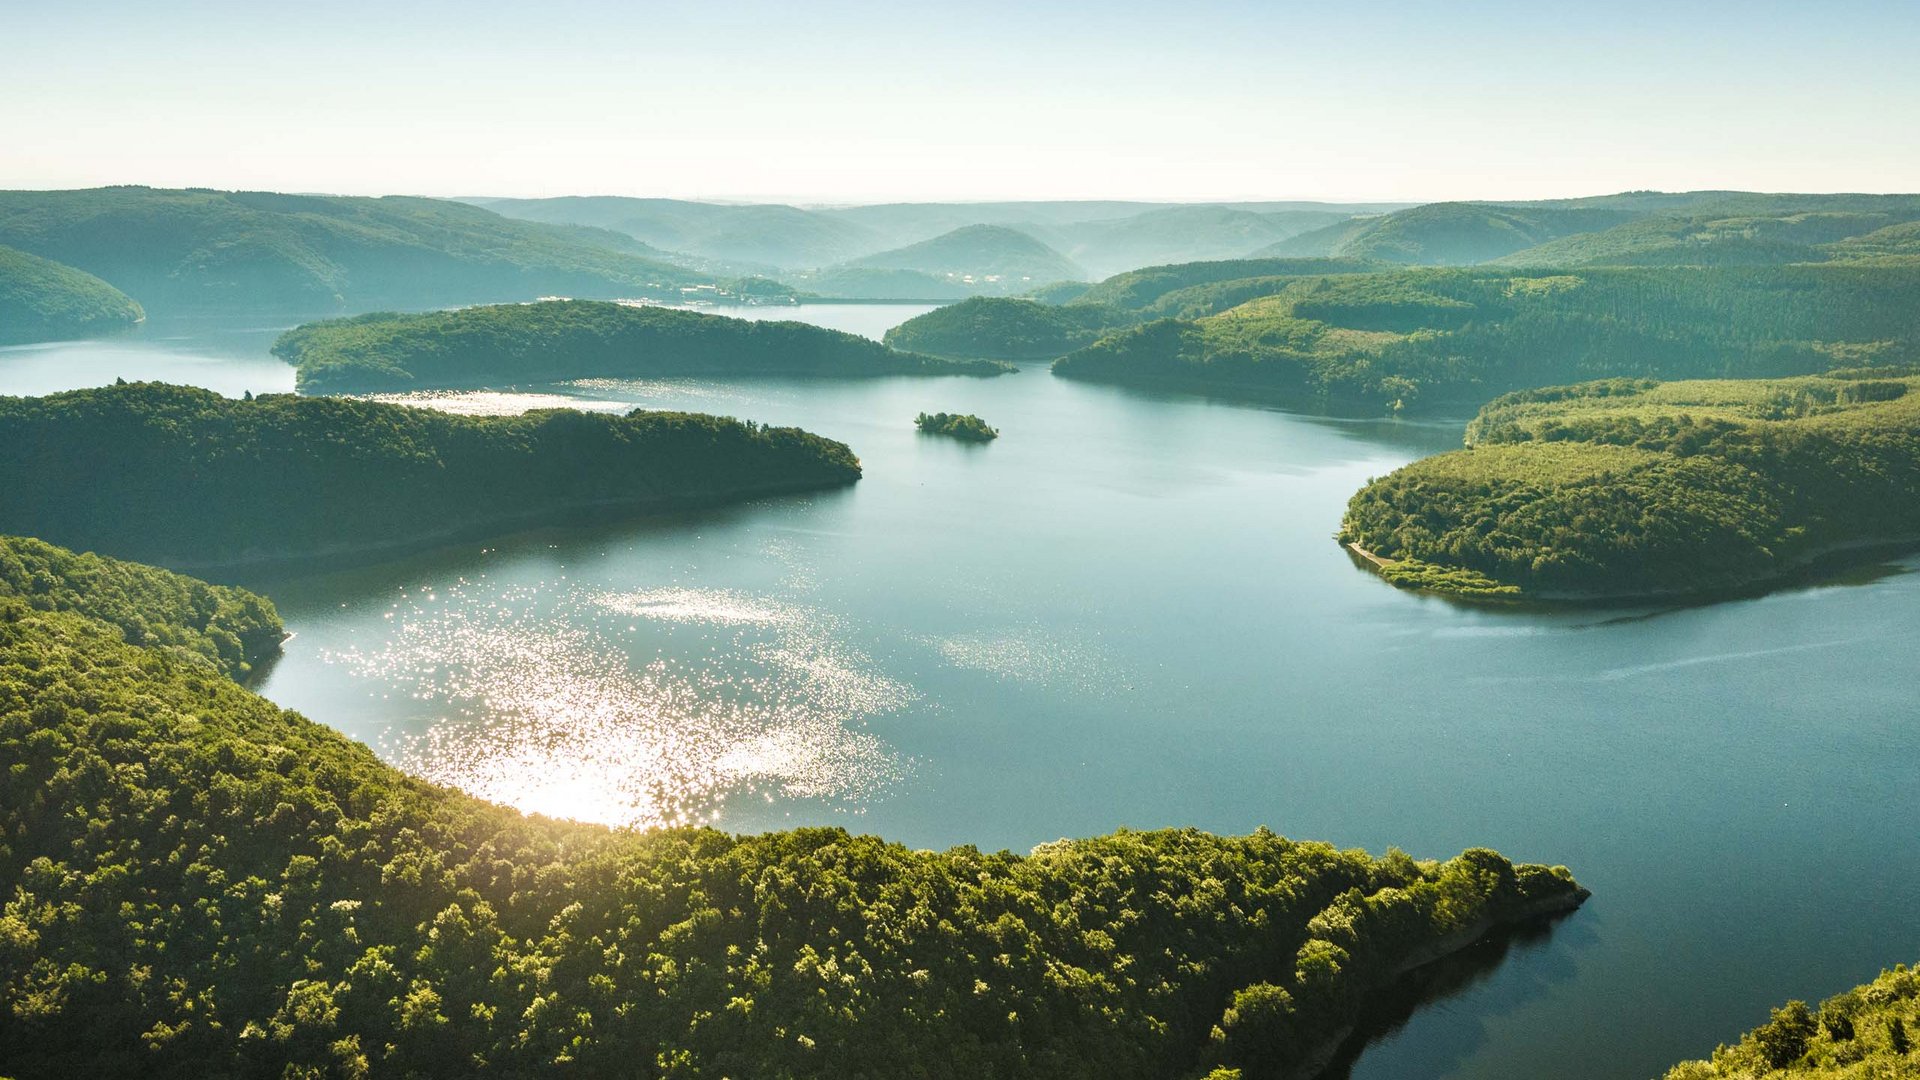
(41,300)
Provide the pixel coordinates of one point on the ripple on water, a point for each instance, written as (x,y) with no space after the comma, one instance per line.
(637,708)
(1036,656)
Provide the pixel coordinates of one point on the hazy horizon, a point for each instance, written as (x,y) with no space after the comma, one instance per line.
(849,103)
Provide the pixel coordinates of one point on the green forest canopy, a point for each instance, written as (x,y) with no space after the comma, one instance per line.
(1438,337)
(200,882)
(575,339)
(42,300)
(963,426)
(280,476)
(1866,1033)
(1632,487)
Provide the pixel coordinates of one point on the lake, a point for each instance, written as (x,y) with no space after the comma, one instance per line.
(1130,611)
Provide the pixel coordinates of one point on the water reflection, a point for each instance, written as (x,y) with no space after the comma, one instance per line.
(643,707)
(1426,990)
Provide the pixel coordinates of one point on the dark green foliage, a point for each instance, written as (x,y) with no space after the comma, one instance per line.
(196,249)
(1627,487)
(1439,337)
(1059,292)
(199,883)
(963,426)
(149,606)
(1857,1035)
(1005,329)
(576,339)
(41,300)
(188,478)
(1784,1038)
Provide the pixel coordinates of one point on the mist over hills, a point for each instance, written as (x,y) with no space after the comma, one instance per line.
(171,251)
(1100,237)
(176,250)
(1639,228)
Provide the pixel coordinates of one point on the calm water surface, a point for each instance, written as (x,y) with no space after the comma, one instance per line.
(1129,611)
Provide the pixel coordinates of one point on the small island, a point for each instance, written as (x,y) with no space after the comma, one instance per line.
(1632,488)
(963,426)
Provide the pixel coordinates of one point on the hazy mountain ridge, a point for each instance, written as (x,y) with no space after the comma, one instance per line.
(987,258)
(198,249)
(1635,228)
(1104,236)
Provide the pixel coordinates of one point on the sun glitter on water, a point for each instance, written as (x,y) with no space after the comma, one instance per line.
(642,708)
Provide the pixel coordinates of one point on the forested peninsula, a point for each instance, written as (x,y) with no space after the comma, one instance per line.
(187,478)
(201,882)
(1866,1033)
(1635,488)
(1450,337)
(42,300)
(575,339)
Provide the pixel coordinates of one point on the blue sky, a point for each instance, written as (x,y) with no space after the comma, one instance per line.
(843,102)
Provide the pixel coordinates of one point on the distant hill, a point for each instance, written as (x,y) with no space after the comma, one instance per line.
(774,235)
(1179,234)
(1554,232)
(985,258)
(1893,242)
(1103,236)
(1146,290)
(42,300)
(515,344)
(1317,243)
(198,250)
(1444,337)
(1454,234)
(1709,241)
(1033,328)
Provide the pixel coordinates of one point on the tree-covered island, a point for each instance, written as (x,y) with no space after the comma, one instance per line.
(553,341)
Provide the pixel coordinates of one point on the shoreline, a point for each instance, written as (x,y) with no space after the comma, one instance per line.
(977,369)
(625,508)
(1324,1053)
(1820,561)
